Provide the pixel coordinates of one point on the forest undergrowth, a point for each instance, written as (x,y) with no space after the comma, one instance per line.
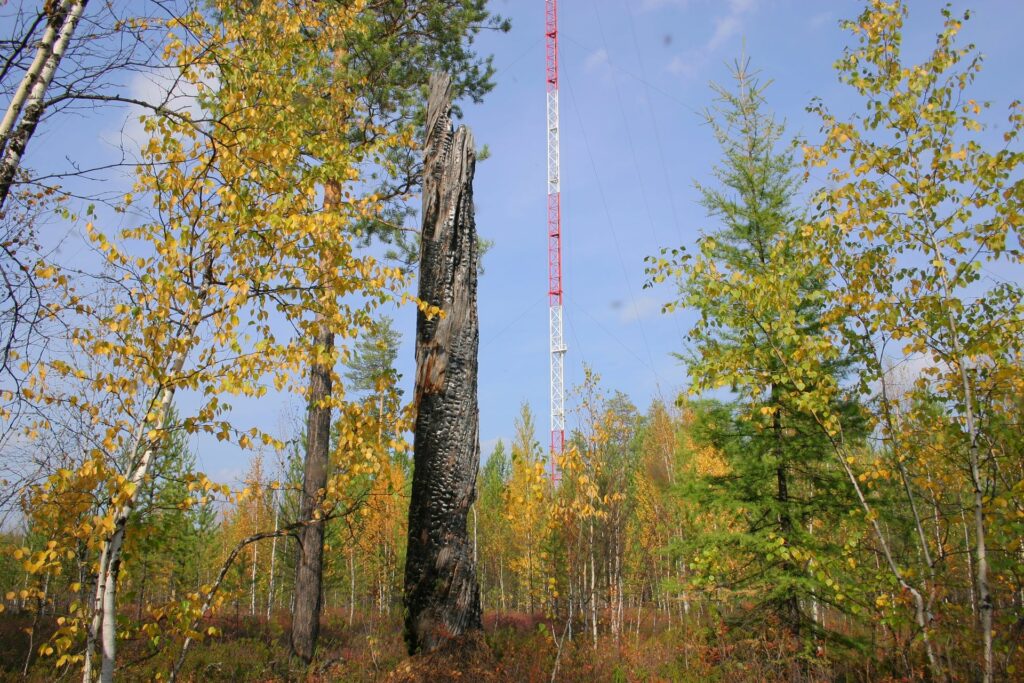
(516,646)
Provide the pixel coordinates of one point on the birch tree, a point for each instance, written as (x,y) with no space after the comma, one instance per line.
(236,232)
(28,101)
(920,205)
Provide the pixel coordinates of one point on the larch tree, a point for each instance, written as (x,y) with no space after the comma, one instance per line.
(756,299)
(371,373)
(167,561)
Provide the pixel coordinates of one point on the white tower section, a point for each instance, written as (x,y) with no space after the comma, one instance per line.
(557,337)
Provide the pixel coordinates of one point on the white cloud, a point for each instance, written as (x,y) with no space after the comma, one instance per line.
(639,309)
(684,67)
(726,27)
(819,20)
(158,87)
(596,60)
(650,5)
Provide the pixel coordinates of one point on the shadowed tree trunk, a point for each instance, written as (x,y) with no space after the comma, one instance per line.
(310,560)
(442,597)
(790,604)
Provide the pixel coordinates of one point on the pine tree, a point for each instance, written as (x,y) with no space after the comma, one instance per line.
(392,49)
(373,361)
(371,372)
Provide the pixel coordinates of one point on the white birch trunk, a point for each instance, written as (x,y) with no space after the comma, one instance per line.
(970,564)
(985,606)
(108,640)
(29,97)
(110,553)
(920,612)
(593,586)
(273,553)
(501,581)
(36,73)
(255,557)
(352,586)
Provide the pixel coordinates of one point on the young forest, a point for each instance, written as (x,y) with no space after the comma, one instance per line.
(832,489)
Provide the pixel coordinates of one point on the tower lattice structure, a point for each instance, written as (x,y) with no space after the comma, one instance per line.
(554,224)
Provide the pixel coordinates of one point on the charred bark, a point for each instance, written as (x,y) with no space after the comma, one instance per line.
(442,597)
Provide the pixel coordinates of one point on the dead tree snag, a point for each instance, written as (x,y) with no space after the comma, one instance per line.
(442,597)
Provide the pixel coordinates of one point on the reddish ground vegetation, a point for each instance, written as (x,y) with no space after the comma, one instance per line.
(514,647)
(467,658)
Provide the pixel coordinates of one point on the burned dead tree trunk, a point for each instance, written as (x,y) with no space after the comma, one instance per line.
(442,597)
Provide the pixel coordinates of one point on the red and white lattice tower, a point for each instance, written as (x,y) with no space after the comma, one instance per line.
(557,339)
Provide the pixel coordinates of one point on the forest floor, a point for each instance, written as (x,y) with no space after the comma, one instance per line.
(513,647)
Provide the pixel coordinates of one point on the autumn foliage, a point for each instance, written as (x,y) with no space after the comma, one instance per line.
(838,494)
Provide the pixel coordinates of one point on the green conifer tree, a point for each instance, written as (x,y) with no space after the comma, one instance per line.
(754,299)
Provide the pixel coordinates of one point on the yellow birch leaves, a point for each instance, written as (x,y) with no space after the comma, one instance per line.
(227,260)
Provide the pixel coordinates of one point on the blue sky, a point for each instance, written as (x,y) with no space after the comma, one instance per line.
(635,77)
